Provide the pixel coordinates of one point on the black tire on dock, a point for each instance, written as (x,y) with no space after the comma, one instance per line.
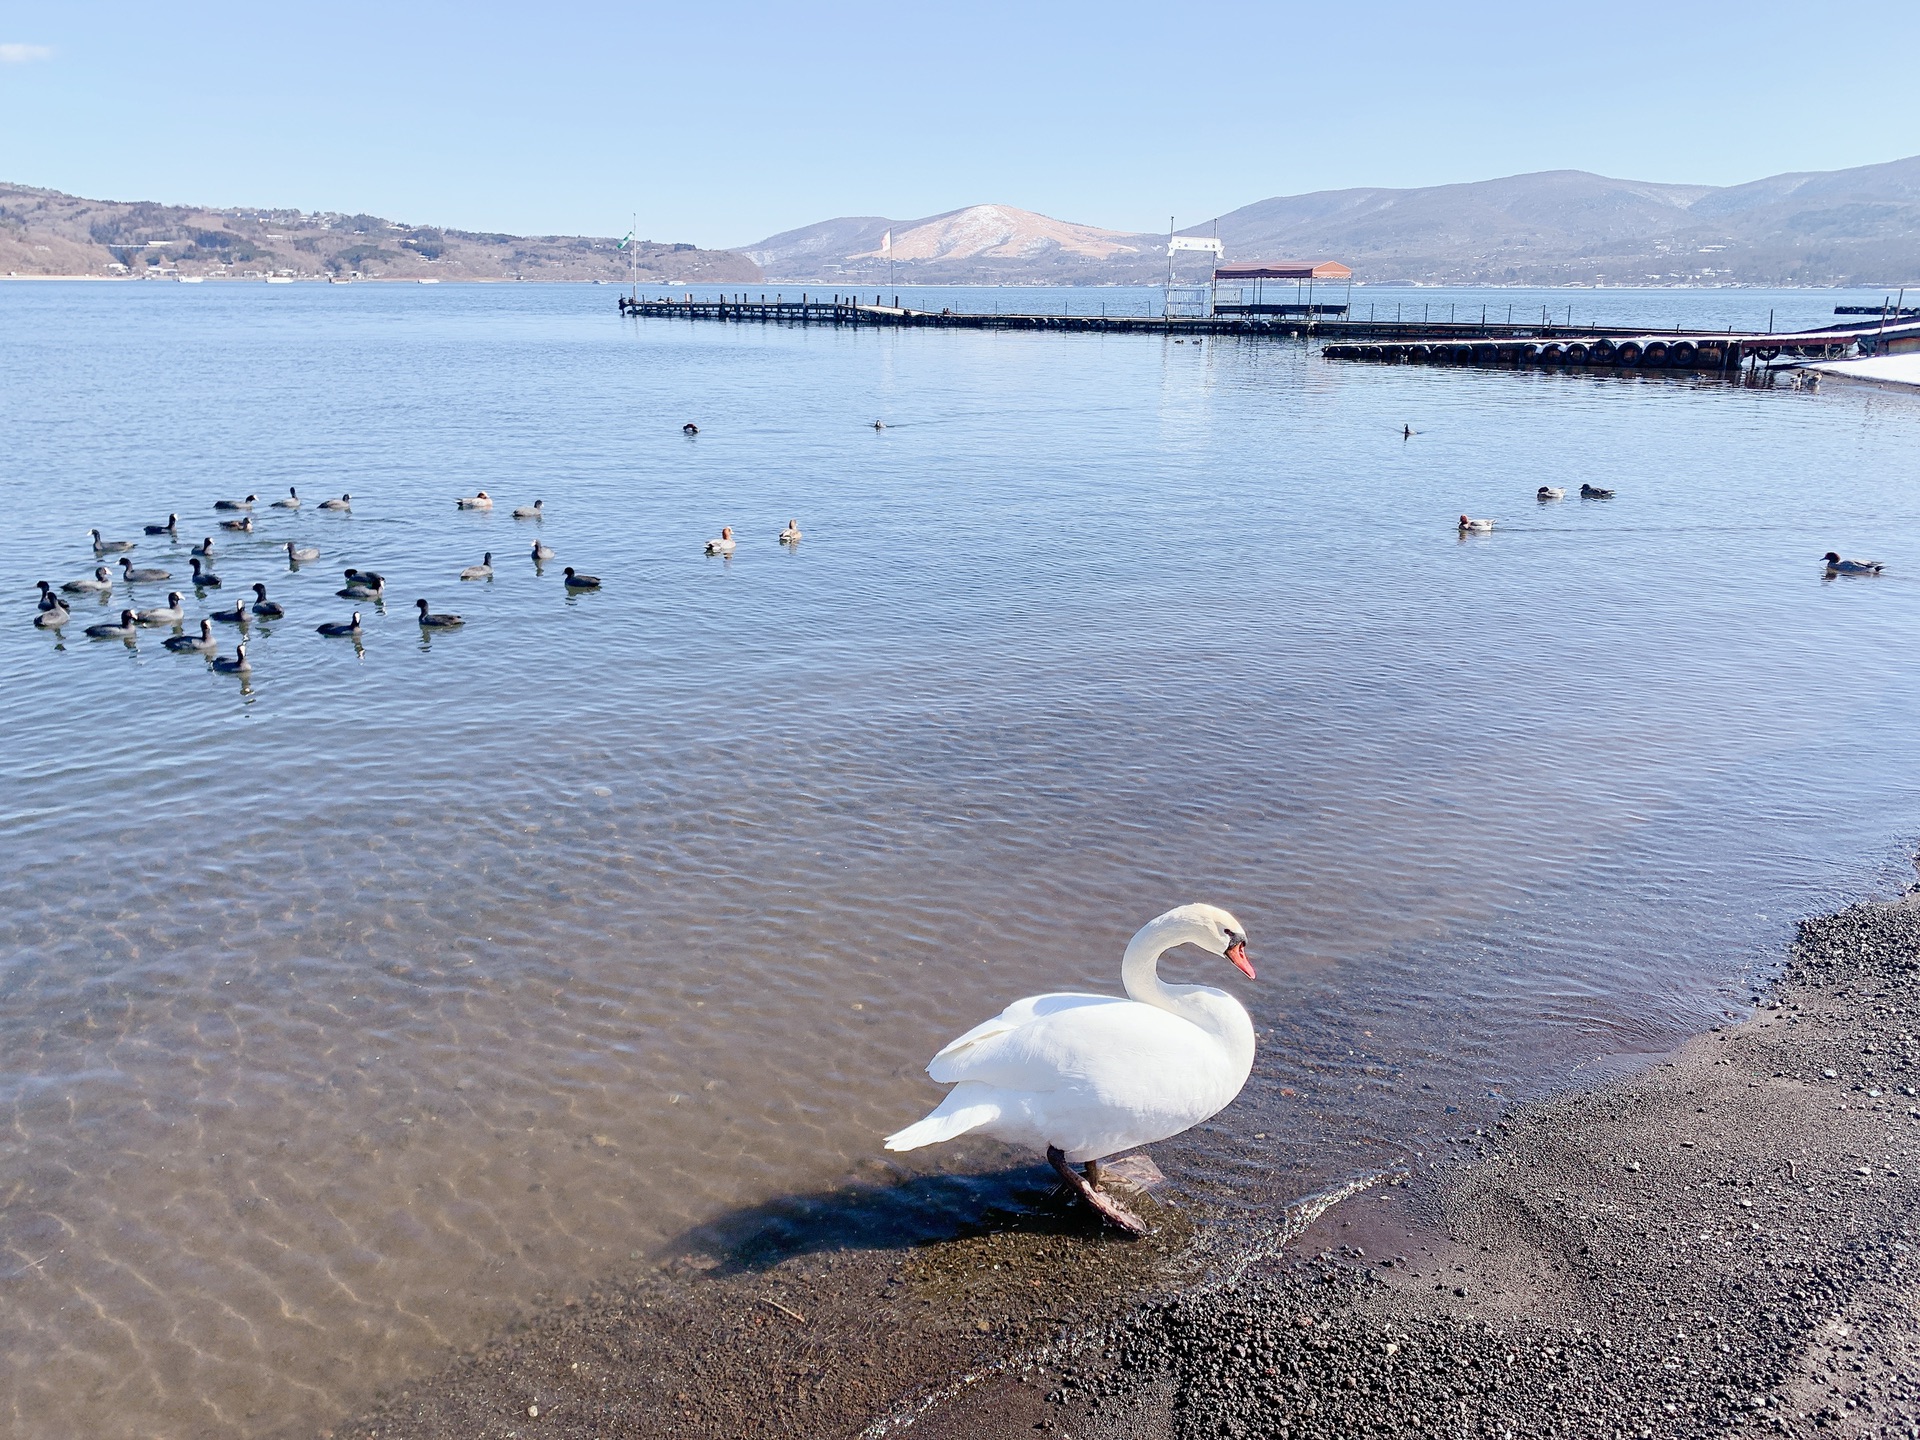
(1420,353)
(1578,353)
(1656,353)
(1684,355)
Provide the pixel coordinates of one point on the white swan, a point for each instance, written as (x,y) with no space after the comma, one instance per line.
(1088,1076)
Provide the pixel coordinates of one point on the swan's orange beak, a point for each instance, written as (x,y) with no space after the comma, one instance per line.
(1237,953)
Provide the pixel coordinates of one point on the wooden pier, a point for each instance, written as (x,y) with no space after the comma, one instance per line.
(1382,341)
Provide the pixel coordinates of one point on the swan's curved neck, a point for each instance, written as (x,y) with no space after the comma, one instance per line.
(1140,968)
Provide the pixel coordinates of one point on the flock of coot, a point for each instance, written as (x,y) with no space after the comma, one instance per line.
(237,518)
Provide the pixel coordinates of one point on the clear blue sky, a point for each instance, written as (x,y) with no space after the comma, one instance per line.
(724,122)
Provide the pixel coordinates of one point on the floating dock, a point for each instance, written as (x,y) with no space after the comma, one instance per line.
(1382,341)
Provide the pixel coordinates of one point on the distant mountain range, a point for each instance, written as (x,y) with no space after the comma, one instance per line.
(1557,227)
(43,232)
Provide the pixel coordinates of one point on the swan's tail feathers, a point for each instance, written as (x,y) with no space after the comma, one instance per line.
(943,1124)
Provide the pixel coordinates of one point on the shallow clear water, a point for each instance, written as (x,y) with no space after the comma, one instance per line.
(346,1009)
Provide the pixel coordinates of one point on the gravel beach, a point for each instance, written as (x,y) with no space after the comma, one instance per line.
(1721,1242)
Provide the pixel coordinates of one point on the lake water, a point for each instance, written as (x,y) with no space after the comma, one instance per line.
(347,1008)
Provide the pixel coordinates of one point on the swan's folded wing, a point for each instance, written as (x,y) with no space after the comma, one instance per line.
(1104,1046)
(957,1057)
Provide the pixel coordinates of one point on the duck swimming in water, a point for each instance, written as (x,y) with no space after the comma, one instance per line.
(689,429)
(108,547)
(166,529)
(297,553)
(479,500)
(791,533)
(263,607)
(534,511)
(246,504)
(244,524)
(53,614)
(723,545)
(345,502)
(126,628)
(99,583)
(238,665)
(203,579)
(340,627)
(204,549)
(149,574)
(203,641)
(482,571)
(289,501)
(1468,524)
(1836,566)
(167,614)
(1594,492)
(437,622)
(1549,492)
(541,551)
(576,581)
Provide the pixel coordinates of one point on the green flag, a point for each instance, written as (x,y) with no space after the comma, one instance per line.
(626,242)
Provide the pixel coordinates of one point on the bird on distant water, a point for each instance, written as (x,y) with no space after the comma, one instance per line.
(204,548)
(246,504)
(1836,566)
(722,545)
(791,533)
(263,607)
(203,641)
(340,627)
(126,628)
(437,622)
(345,502)
(1088,1076)
(203,579)
(234,614)
(98,583)
(297,553)
(689,429)
(244,524)
(1550,492)
(289,501)
(541,551)
(1594,492)
(576,581)
(238,664)
(530,512)
(1469,525)
(482,571)
(53,614)
(362,585)
(166,529)
(479,500)
(149,573)
(108,547)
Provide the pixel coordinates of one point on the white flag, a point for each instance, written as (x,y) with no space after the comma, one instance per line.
(886,243)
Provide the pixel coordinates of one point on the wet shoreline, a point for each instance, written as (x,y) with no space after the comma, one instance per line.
(1719,1242)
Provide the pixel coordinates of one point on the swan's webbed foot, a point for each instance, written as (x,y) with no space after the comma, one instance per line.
(1085,1185)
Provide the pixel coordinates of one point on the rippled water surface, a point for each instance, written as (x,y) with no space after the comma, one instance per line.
(347,1008)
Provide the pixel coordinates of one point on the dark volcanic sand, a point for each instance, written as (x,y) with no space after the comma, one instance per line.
(1722,1242)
